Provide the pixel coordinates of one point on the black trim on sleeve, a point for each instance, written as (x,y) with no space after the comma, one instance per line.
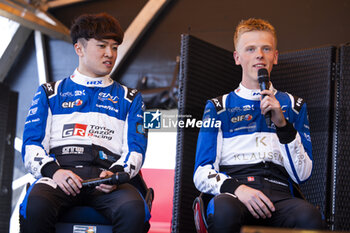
(131,93)
(49,169)
(116,168)
(229,186)
(49,88)
(218,104)
(298,103)
(286,134)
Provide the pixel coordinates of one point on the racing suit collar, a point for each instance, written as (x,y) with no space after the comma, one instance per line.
(84,80)
(251,94)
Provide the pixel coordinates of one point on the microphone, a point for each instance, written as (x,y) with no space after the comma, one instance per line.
(117,178)
(264,82)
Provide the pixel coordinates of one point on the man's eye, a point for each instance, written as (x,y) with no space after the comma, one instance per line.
(102,46)
(250,49)
(115,48)
(267,49)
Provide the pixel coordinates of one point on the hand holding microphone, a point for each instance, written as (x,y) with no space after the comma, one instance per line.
(264,82)
(274,112)
(115,179)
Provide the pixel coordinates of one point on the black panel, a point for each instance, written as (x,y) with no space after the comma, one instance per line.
(8,116)
(206,71)
(308,74)
(341,203)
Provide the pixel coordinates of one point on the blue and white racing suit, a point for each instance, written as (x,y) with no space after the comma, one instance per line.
(245,150)
(81,121)
(244,143)
(85,125)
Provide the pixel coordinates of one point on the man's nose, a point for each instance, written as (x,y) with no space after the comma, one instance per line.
(108,52)
(259,53)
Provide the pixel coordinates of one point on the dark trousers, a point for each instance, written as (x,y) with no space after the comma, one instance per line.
(46,202)
(227,214)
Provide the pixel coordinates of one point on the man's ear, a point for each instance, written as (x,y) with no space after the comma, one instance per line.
(78,47)
(236,57)
(275,60)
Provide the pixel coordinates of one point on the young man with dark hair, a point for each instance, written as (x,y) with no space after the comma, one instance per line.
(248,164)
(82,127)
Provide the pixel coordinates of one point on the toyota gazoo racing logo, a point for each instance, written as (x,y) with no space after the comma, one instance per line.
(72,104)
(82,130)
(70,130)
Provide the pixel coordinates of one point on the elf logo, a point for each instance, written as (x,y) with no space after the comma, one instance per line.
(71,130)
(72,104)
(246,117)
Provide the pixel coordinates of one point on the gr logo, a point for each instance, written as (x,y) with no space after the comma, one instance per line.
(70,130)
(152,120)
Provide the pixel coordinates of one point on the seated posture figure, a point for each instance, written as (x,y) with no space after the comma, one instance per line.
(249,162)
(85,126)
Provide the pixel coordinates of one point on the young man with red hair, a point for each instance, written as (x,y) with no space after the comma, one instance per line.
(249,164)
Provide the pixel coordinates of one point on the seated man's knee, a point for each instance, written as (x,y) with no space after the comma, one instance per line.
(135,209)
(39,207)
(309,217)
(38,216)
(130,216)
(224,213)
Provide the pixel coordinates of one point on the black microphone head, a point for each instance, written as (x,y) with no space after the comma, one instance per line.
(122,177)
(263,75)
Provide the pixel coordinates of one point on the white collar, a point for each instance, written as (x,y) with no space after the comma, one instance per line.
(251,94)
(84,80)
